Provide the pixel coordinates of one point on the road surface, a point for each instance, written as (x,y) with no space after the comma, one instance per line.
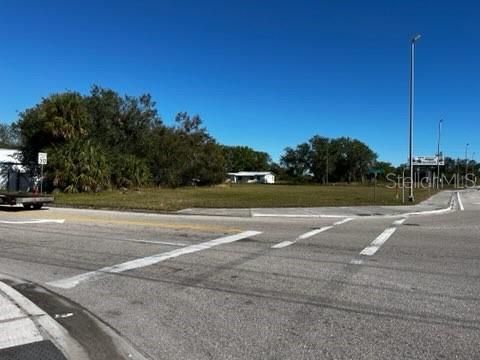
(206,287)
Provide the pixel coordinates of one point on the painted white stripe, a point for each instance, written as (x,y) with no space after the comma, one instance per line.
(302,237)
(71,282)
(41,221)
(343,221)
(399,222)
(314,232)
(283,244)
(378,242)
(460,203)
(63,316)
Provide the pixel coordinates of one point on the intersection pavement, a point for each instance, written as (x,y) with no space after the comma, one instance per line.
(180,286)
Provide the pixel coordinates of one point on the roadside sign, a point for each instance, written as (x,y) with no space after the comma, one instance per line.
(428,161)
(42,158)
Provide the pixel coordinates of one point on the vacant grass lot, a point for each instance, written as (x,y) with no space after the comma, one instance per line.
(237,196)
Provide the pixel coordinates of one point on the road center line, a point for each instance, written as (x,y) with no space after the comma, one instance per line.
(378,242)
(71,282)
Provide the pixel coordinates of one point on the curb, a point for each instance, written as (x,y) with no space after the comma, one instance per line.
(452,204)
(36,326)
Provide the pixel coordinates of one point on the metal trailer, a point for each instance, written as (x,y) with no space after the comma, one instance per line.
(27,200)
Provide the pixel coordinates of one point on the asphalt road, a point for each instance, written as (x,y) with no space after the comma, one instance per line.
(204,287)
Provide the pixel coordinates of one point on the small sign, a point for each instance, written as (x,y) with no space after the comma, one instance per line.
(42,158)
(428,161)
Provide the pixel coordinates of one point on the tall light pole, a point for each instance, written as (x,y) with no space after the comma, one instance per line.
(438,152)
(412,83)
(466,159)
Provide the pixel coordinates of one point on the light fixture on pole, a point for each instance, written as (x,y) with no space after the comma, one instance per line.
(412,83)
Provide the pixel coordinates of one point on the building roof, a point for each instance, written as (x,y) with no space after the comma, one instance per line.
(250,173)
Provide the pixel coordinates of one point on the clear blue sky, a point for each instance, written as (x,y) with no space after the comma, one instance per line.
(267,74)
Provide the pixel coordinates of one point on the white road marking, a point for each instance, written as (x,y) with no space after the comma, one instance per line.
(460,204)
(314,232)
(343,221)
(378,242)
(41,221)
(63,316)
(399,222)
(302,237)
(310,234)
(71,282)
(283,244)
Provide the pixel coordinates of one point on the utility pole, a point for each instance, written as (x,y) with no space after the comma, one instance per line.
(412,83)
(466,159)
(438,152)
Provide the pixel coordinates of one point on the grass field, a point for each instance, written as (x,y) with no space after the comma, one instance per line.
(237,196)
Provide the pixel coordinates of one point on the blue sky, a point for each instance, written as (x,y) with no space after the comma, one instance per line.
(267,74)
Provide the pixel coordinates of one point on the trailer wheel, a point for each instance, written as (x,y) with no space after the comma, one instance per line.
(37,206)
(28,206)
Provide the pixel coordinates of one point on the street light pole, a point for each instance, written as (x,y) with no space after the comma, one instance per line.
(466,159)
(438,152)
(412,83)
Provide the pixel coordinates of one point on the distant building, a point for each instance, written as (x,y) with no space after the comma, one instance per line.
(12,172)
(252,177)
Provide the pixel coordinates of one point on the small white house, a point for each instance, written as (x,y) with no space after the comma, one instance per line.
(252,177)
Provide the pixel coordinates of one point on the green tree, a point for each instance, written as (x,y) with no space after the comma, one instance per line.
(78,166)
(123,125)
(322,163)
(55,121)
(244,158)
(9,136)
(297,162)
(185,154)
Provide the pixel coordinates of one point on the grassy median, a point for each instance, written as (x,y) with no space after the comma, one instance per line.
(238,196)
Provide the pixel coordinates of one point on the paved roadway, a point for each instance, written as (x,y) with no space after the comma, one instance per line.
(193,287)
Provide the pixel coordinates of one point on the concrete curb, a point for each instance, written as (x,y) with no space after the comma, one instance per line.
(453,203)
(36,325)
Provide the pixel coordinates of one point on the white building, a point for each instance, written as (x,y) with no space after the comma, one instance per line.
(252,177)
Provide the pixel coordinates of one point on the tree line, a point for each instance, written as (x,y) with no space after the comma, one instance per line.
(325,160)
(102,140)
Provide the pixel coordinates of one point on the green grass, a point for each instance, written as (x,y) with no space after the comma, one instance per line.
(237,196)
